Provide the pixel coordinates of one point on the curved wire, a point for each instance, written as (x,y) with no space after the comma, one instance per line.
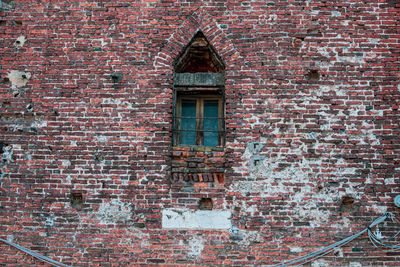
(322,252)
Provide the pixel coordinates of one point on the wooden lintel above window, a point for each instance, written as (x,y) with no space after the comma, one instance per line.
(199,79)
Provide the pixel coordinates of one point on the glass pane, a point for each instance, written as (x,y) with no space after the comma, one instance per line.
(188,110)
(210,111)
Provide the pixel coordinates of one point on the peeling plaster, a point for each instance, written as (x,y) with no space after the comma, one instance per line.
(195,246)
(7,155)
(319,263)
(355,264)
(114,211)
(18,78)
(302,171)
(249,238)
(19,43)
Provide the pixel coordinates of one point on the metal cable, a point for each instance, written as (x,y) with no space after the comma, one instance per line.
(35,254)
(377,242)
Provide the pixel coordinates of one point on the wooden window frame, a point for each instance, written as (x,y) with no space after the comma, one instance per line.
(199,118)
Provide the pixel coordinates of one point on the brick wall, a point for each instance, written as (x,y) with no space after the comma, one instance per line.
(312,130)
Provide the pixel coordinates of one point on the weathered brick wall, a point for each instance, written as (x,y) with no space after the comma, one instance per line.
(312,130)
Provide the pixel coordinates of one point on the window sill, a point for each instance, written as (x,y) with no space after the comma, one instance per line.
(198,148)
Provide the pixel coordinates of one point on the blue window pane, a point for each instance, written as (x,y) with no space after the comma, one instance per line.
(188,110)
(210,111)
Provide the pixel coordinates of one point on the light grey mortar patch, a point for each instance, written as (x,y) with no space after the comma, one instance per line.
(19,43)
(7,154)
(114,211)
(196,246)
(320,263)
(268,179)
(18,78)
(7,6)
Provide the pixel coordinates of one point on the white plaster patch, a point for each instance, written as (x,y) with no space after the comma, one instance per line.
(65,163)
(10,238)
(377,209)
(281,180)
(296,249)
(49,221)
(114,211)
(338,252)
(320,263)
(196,246)
(20,41)
(8,154)
(250,237)
(199,219)
(355,264)
(102,138)
(18,78)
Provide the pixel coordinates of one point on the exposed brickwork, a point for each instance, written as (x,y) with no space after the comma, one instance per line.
(312,147)
(198,164)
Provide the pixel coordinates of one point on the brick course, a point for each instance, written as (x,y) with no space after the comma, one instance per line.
(312,130)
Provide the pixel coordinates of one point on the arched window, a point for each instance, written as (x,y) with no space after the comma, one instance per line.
(199,108)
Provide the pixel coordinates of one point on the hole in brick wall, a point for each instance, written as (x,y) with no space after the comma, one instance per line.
(256,145)
(15,93)
(6,80)
(256,162)
(347,203)
(76,201)
(18,22)
(3,22)
(392,3)
(29,107)
(313,75)
(206,204)
(2,145)
(297,41)
(116,77)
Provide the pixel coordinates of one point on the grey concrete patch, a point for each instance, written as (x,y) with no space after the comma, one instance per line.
(200,219)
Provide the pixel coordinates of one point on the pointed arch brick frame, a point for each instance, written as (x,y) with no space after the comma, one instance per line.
(200,20)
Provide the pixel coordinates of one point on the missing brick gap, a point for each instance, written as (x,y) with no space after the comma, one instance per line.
(116,77)
(347,203)
(77,200)
(298,41)
(29,107)
(205,204)
(313,75)
(2,146)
